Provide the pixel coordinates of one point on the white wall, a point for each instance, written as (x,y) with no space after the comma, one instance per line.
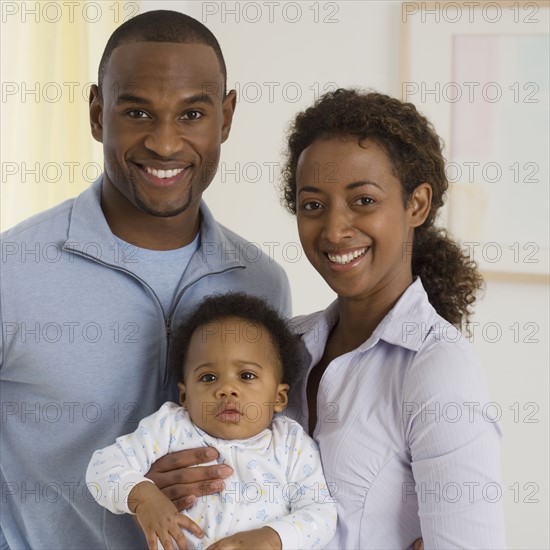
(512,342)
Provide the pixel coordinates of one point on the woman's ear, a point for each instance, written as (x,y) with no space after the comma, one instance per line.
(281,400)
(181,386)
(419,205)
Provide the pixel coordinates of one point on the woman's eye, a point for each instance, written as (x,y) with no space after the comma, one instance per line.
(248,376)
(192,115)
(207,378)
(311,205)
(364,201)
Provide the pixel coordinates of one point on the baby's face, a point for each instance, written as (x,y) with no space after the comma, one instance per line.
(232,379)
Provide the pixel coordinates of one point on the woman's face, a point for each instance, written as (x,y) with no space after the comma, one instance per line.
(353,224)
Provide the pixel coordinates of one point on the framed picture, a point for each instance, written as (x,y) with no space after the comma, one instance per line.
(480,72)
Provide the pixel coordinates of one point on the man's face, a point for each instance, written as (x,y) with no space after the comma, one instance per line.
(161,118)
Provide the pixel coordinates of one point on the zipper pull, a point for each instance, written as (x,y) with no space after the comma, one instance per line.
(167,327)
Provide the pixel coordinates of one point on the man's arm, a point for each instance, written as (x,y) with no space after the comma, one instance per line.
(182,484)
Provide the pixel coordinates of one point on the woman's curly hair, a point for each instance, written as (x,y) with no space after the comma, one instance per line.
(449,276)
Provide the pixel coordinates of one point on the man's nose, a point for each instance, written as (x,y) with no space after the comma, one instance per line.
(165,139)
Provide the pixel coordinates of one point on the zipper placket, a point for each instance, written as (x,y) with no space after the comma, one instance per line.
(166,318)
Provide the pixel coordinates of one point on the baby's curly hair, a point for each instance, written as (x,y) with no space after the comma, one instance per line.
(449,276)
(242,306)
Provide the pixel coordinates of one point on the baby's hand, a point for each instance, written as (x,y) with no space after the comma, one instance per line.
(264,538)
(159,518)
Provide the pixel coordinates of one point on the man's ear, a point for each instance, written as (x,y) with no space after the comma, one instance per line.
(181,386)
(420,204)
(281,401)
(96,113)
(228,110)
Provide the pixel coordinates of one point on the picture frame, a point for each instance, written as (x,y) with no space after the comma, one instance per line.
(479,72)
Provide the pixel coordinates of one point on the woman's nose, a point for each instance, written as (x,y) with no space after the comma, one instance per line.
(337,225)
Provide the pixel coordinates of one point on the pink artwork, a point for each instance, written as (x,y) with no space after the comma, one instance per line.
(499,146)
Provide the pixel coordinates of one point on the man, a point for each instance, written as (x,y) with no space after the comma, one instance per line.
(86,331)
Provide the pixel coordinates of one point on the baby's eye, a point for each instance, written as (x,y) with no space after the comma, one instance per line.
(248,375)
(207,378)
(364,201)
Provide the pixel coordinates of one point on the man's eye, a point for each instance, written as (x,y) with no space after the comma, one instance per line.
(248,376)
(192,115)
(207,378)
(137,113)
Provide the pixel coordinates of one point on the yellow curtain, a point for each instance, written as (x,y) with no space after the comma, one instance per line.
(50,55)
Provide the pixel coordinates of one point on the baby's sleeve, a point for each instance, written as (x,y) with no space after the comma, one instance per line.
(115,470)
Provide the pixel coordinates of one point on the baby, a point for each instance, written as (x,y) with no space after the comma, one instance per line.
(236,355)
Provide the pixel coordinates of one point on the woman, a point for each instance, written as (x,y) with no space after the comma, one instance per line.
(391,390)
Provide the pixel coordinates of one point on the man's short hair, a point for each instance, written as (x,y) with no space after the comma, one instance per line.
(161,26)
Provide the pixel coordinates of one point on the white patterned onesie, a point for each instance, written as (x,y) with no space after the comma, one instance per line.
(277,479)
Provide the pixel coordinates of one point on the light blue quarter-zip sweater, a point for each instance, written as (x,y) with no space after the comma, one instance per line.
(84,358)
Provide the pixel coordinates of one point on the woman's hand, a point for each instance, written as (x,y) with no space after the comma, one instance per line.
(264,538)
(182,484)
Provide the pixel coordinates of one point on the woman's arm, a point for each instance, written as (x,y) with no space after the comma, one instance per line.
(455,449)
